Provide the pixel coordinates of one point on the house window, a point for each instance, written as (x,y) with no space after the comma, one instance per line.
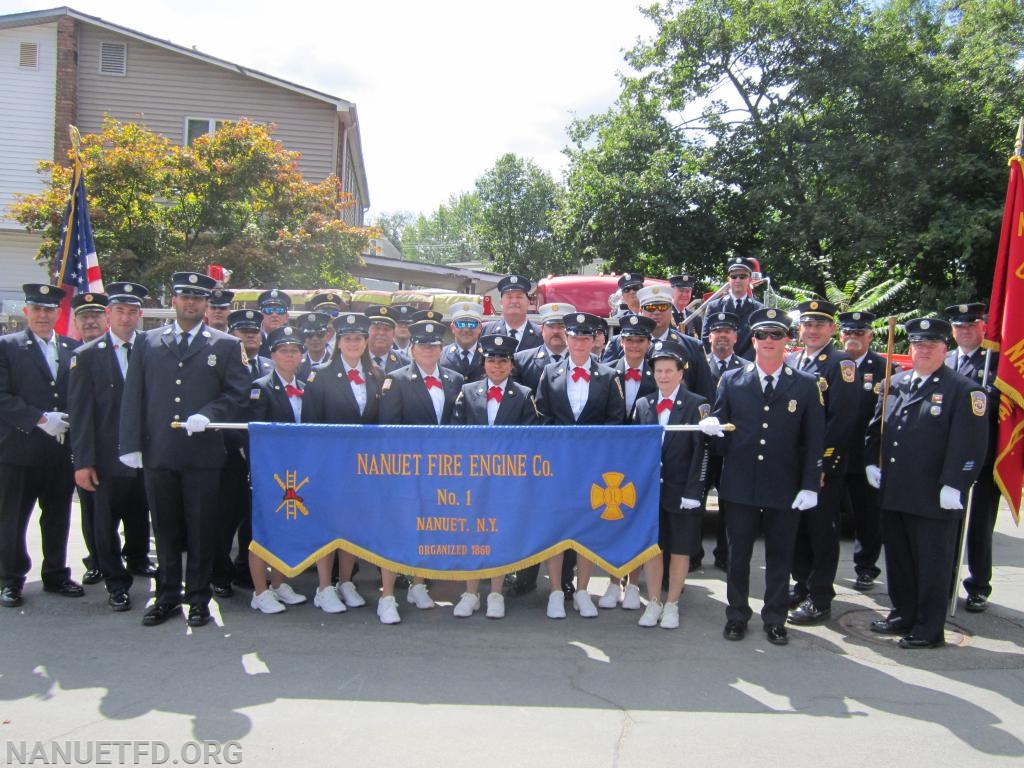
(113,58)
(200,126)
(28,56)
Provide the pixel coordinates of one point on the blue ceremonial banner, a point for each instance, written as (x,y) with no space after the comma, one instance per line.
(455,502)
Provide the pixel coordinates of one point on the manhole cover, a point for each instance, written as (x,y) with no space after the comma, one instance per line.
(858,623)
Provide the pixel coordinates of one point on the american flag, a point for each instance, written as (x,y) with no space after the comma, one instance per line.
(78,270)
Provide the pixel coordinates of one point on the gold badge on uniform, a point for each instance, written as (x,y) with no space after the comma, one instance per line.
(311,377)
(211,361)
(979,403)
(878,388)
(792,406)
(704,410)
(822,384)
(74,362)
(848,369)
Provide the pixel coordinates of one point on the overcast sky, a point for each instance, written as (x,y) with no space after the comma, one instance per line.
(443,87)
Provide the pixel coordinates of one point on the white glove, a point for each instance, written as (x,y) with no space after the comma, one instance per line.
(949,498)
(55,423)
(805,500)
(711,426)
(133,460)
(196,423)
(685,503)
(874,475)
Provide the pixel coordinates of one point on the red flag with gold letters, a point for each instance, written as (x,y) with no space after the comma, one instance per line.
(1005,334)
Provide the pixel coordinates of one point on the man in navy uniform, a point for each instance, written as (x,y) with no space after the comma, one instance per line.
(682,296)
(855,334)
(629,285)
(771,469)
(655,303)
(404,315)
(219,308)
(35,457)
(244,325)
(530,363)
(932,435)
(274,304)
(968,359)
(816,557)
(182,372)
(318,337)
(515,303)
(464,354)
(95,389)
(737,300)
(380,342)
(578,391)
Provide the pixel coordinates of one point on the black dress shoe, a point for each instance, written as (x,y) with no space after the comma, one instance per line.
(67,588)
(734,630)
(916,643)
(864,582)
(92,576)
(198,615)
(808,613)
(796,598)
(222,590)
(145,570)
(776,634)
(119,601)
(893,626)
(159,613)
(10,597)
(976,603)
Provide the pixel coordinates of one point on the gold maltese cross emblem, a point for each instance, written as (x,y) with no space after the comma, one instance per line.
(613,496)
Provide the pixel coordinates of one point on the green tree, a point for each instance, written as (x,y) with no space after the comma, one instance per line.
(447,235)
(392,225)
(235,198)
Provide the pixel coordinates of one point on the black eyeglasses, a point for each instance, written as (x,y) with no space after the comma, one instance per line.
(630,289)
(856,332)
(776,335)
(739,276)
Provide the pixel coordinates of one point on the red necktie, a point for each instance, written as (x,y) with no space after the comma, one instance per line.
(494,393)
(292,391)
(580,373)
(430,381)
(633,374)
(665,404)
(354,377)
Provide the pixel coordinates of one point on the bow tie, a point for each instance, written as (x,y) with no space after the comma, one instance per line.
(580,373)
(292,391)
(431,381)
(354,377)
(494,393)
(665,404)
(633,374)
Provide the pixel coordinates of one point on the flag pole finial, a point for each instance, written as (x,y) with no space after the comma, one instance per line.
(1020,137)
(76,138)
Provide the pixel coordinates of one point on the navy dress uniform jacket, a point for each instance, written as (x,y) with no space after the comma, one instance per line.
(529,364)
(870,380)
(775,451)
(27,390)
(328,398)
(515,409)
(605,401)
(404,398)
(452,358)
(268,401)
(935,437)
(531,334)
(647,384)
(164,386)
(684,455)
(734,362)
(744,346)
(392,361)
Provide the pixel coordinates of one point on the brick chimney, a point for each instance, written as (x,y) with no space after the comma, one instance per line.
(66,112)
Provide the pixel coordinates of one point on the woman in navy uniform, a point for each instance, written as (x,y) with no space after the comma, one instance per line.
(932,434)
(345,392)
(421,393)
(496,400)
(683,474)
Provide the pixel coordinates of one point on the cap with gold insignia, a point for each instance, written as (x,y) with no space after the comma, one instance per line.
(816,310)
(856,321)
(681,281)
(192,284)
(631,280)
(380,313)
(275,297)
(722,321)
(668,349)
(220,298)
(581,323)
(965,314)
(245,320)
(313,323)
(126,293)
(326,300)
(89,301)
(514,283)
(769,317)
(927,329)
(554,313)
(654,294)
(739,264)
(467,310)
(283,335)
(43,295)
(428,314)
(352,322)
(498,345)
(428,332)
(635,325)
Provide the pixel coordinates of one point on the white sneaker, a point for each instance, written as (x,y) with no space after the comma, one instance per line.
(631,598)
(468,605)
(419,596)
(670,616)
(287,595)
(348,592)
(265,602)
(556,604)
(583,603)
(326,600)
(610,598)
(651,614)
(387,611)
(496,606)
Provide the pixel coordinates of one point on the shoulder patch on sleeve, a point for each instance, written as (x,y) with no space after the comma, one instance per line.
(979,403)
(848,369)
(704,409)
(74,361)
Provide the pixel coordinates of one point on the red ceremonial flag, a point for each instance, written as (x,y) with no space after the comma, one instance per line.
(78,269)
(1005,334)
